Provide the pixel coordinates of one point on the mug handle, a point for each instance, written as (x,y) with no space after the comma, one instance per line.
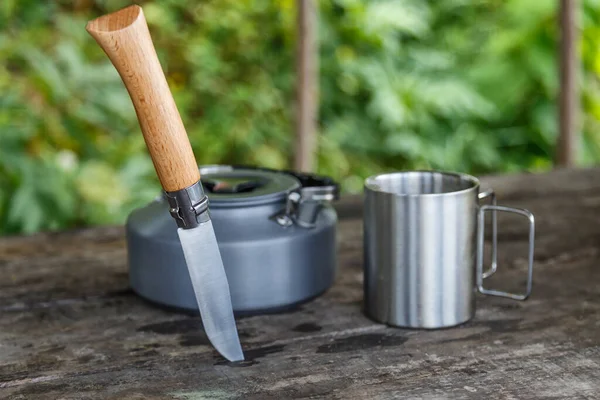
(489,193)
(481,227)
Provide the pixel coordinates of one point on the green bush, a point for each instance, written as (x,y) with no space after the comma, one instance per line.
(461,85)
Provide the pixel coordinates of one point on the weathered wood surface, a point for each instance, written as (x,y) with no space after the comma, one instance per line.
(71,329)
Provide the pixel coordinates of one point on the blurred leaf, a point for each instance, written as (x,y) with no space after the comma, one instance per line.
(454,84)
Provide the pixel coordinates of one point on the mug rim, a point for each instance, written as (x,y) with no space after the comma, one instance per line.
(370,185)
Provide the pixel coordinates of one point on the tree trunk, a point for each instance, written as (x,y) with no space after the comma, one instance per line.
(566,149)
(307,87)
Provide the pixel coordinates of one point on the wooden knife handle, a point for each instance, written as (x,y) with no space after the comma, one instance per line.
(124,37)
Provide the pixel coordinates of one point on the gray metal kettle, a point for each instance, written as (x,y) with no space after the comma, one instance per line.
(276,234)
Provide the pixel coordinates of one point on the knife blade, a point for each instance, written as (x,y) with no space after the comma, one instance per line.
(125,38)
(204,263)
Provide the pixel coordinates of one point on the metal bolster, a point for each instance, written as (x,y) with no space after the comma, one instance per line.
(189,206)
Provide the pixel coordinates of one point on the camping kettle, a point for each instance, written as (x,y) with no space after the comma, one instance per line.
(276,232)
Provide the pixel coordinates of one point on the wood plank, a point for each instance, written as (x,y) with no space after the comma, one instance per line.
(71,329)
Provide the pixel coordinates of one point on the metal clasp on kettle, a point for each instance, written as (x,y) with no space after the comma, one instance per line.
(286,217)
(303,206)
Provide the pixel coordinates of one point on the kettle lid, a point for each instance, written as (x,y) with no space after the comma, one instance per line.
(229,186)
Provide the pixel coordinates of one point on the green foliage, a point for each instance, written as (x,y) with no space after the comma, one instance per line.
(453,84)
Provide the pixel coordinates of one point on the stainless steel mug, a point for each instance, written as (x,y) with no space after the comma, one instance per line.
(423,243)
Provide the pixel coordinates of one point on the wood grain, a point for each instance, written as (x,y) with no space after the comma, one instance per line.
(72,329)
(124,37)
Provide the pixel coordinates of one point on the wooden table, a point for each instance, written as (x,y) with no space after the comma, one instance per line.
(70,328)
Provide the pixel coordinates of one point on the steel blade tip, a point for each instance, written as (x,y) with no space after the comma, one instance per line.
(211,288)
(232,353)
